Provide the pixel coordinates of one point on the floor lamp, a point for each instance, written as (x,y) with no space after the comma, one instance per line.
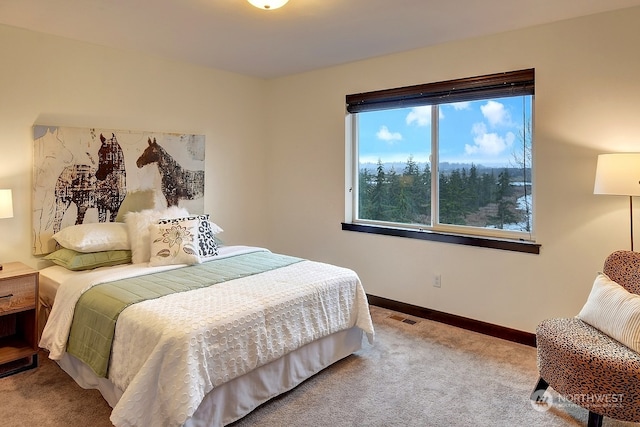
(619,174)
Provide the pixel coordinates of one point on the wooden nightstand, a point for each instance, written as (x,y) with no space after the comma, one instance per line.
(18,318)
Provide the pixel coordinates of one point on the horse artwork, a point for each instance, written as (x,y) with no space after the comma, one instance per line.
(176,182)
(87,186)
(84,175)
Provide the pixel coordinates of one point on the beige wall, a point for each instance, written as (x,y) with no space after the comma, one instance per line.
(586,103)
(54,81)
(275,154)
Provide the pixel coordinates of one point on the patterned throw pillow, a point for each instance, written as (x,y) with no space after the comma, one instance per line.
(138,226)
(207,244)
(174,242)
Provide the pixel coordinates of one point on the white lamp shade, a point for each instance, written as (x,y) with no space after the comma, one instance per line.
(618,174)
(268,4)
(6,204)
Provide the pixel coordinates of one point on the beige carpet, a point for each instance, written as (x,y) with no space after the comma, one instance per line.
(425,374)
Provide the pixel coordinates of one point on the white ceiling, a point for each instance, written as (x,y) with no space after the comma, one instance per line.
(303,35)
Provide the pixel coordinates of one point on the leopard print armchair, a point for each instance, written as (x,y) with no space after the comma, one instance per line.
(588,367)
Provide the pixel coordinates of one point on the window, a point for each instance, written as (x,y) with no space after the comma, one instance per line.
(451,157)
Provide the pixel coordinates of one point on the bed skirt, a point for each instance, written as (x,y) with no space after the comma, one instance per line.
(235,399)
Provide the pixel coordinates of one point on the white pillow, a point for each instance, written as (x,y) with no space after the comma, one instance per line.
(138,225)
(94,237)
(175,242)
(613,310)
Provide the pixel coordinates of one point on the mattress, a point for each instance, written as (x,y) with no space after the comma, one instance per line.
(315,314)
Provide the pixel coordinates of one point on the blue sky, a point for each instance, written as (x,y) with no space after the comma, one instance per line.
(483,132)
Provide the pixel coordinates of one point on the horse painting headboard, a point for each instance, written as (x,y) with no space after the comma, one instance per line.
(84,175)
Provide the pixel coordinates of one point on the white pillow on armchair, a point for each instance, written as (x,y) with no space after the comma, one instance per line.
(613,310)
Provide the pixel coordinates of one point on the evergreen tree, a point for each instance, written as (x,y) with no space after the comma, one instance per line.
(473,189)
(423,198)
(506,213)
(487,188)
(451,198)
(406,197)
(391,211)
(377,196)
(364,193)
(413,191)
(403,212)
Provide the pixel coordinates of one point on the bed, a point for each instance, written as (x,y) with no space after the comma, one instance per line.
(242,326)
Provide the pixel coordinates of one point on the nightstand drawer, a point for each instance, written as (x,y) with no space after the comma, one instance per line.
(18,318)
(17,294)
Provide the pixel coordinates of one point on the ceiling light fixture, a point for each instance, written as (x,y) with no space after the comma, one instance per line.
(268,4)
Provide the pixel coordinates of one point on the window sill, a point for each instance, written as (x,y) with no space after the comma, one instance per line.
(458,239)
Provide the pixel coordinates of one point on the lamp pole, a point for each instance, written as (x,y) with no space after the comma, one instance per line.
(631,219)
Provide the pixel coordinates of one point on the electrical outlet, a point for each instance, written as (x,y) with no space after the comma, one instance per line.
(437,280)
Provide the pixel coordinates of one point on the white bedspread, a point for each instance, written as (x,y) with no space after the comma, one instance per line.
(169,352)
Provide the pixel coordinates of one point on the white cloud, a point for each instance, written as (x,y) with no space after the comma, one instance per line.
(421,116)
(495,113)
(464,105)
(385,135)
(488,143)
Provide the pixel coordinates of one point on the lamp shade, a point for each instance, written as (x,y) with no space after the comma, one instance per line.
(6,204)
(268,4)
(618,174)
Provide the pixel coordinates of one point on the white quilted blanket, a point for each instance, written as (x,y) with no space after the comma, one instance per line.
(169,352)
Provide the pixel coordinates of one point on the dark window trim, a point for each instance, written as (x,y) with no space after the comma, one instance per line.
(506,84)
(459,239)
(511,83)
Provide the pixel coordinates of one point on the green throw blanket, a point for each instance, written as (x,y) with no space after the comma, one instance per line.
(97,310)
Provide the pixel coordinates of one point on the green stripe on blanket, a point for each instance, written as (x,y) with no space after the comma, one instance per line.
(97,310)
